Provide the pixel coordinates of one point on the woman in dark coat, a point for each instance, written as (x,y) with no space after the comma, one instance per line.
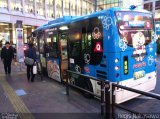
(31,53)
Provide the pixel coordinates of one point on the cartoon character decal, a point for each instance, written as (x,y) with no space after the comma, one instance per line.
(53,70)
(138,41)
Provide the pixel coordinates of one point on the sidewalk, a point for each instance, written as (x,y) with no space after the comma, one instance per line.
(43,98)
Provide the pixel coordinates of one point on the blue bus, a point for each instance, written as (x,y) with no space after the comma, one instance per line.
(115,44)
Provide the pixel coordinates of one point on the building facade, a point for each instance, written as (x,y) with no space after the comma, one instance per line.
(34,13)
(154,6)
(104,4)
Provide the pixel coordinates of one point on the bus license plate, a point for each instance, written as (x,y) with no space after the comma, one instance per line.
(139,74)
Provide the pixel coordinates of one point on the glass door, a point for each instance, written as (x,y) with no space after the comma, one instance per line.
(63,53)
(42,51)
(52,55)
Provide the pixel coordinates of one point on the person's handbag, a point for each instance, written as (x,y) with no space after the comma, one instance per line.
(35,69)
(29,61)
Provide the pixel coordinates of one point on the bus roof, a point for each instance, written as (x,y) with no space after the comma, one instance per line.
(68,19)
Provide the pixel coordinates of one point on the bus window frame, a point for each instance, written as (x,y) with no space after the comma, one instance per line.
(56,52)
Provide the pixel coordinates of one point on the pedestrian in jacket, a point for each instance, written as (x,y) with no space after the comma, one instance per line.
(7,55)
(31,53)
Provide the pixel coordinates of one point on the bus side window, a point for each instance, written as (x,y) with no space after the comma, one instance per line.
(51,47)
(91,36)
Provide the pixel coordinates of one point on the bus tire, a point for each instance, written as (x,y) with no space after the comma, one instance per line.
(87,85)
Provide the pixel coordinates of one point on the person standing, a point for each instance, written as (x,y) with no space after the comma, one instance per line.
(7,55)
(31,53)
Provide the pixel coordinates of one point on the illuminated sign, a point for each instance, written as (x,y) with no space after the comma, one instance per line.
(98,47)
(49,30)
(139,74)
(148,25)
(125,65)
(136,23)
(20,45)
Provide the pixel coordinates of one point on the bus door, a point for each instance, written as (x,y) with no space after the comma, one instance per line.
(63,38)
(42,54)
(52,55)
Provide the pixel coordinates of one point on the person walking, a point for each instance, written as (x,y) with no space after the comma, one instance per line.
(7,55)
(31,53)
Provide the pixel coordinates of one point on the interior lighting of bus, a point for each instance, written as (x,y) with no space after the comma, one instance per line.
(126,18)
(63,28)
(136,23)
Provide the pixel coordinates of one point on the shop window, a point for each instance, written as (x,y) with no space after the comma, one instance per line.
(16,5)
(157,5)
(66,7)
(50,9)
(29,6)
(148,6)
(40,7)
(3,4)
(79,10)
(84,7)
(58,8)
(73,7)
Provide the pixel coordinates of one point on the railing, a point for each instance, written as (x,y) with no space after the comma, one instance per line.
(148,94)
(107,97)
(102,83)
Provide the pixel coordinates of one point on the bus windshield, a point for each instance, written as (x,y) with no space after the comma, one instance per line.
(133,25)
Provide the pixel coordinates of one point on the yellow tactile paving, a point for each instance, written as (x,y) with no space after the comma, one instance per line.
(17,103)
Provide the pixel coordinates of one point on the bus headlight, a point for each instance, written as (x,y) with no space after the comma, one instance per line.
(116,60)
(116,68)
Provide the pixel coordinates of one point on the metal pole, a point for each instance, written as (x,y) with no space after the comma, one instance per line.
(108,101)
(67,86)
(41,70)
(113,101)
(20,66)
(102,98)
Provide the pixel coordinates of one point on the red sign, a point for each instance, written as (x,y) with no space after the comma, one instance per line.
(87,70)
(148,25)
(143,64)
(98,47)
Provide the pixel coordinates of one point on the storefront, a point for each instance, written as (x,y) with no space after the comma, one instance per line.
(7,33)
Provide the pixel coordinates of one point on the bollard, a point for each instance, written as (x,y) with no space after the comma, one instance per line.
(108,106)
(113,102)
(67,85)
(102,98)
(41,71)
